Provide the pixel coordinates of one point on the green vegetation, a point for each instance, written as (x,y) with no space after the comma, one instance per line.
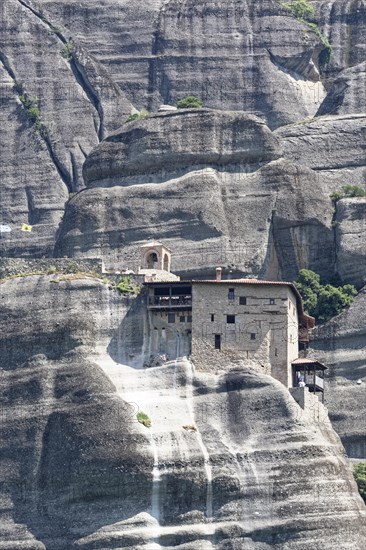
(303,11)
(56,30)
(143,419)
(32,109)
(127,285)
(359,473)
(67,51)
(138,116)
(348,191)
(323,301)
(52,269)
(190,102)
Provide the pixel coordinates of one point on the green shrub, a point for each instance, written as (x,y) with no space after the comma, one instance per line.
(143,419)
(33,111)
(348,191)
(71,267)
(359,473)
(190,102)
(353,191)
(56,30)
(336,196)
(138,116)
(323,301)
(67,51)
(127,285)
(52,269)
(301,9)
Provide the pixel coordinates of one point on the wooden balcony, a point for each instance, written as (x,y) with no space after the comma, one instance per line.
(170,302)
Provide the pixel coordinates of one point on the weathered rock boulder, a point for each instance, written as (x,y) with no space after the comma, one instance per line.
(327,143)
(346,95)
(198,180)
(341,344)
(165,143)
(79,471)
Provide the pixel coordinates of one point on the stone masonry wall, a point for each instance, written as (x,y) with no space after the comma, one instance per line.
(274,325)
(9,267)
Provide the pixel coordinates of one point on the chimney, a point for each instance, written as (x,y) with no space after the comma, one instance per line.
(218,273)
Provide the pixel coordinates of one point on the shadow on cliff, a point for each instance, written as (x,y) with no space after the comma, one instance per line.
(127,344)
(78,456)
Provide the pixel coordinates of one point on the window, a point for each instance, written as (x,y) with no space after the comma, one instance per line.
(230,319)
(231,294)
(212,317)
(242,300)
(276,352)
(171,317)
(252,336)
(217,341)
(272,301)
(289,305)
(182,319)
(189,318)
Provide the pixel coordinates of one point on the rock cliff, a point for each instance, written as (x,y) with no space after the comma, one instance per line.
(230,460)
(79,471)
(341,343)
(87,65)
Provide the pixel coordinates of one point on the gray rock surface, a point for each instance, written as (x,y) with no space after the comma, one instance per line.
(341,344)
(347,93)
(78,104)
(197,180)
(253,57)
(80,472)
(350,220)
(166,143)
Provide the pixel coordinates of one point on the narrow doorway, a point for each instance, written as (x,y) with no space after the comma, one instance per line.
(217,341)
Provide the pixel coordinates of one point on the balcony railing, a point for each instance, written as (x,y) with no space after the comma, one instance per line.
(170,301)
(309,381)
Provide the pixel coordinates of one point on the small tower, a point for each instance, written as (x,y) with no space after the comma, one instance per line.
(155,262)
(155,255)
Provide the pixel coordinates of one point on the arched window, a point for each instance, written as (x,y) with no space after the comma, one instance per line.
(166,262)
(152,260)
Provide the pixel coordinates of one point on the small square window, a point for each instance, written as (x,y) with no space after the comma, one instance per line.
(189,318)
(252,336)
(171,317)
(242,300)
(212,317)
(272,301)
(230,319)
(231,294)
(182,319)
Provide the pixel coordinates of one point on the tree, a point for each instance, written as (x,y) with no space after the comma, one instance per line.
(323,301)
(359,473)
(190,102)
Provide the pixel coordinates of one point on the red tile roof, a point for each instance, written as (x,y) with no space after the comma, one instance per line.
(307,361)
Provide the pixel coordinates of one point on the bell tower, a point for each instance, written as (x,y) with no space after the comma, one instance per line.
(154,255)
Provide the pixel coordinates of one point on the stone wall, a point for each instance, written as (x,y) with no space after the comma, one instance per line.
(9,267)
(311,404)
(264,335)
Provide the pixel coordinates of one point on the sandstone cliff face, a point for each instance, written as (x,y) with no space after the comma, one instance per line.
(80,472)
(198,180)
(341,343)
(245,56)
